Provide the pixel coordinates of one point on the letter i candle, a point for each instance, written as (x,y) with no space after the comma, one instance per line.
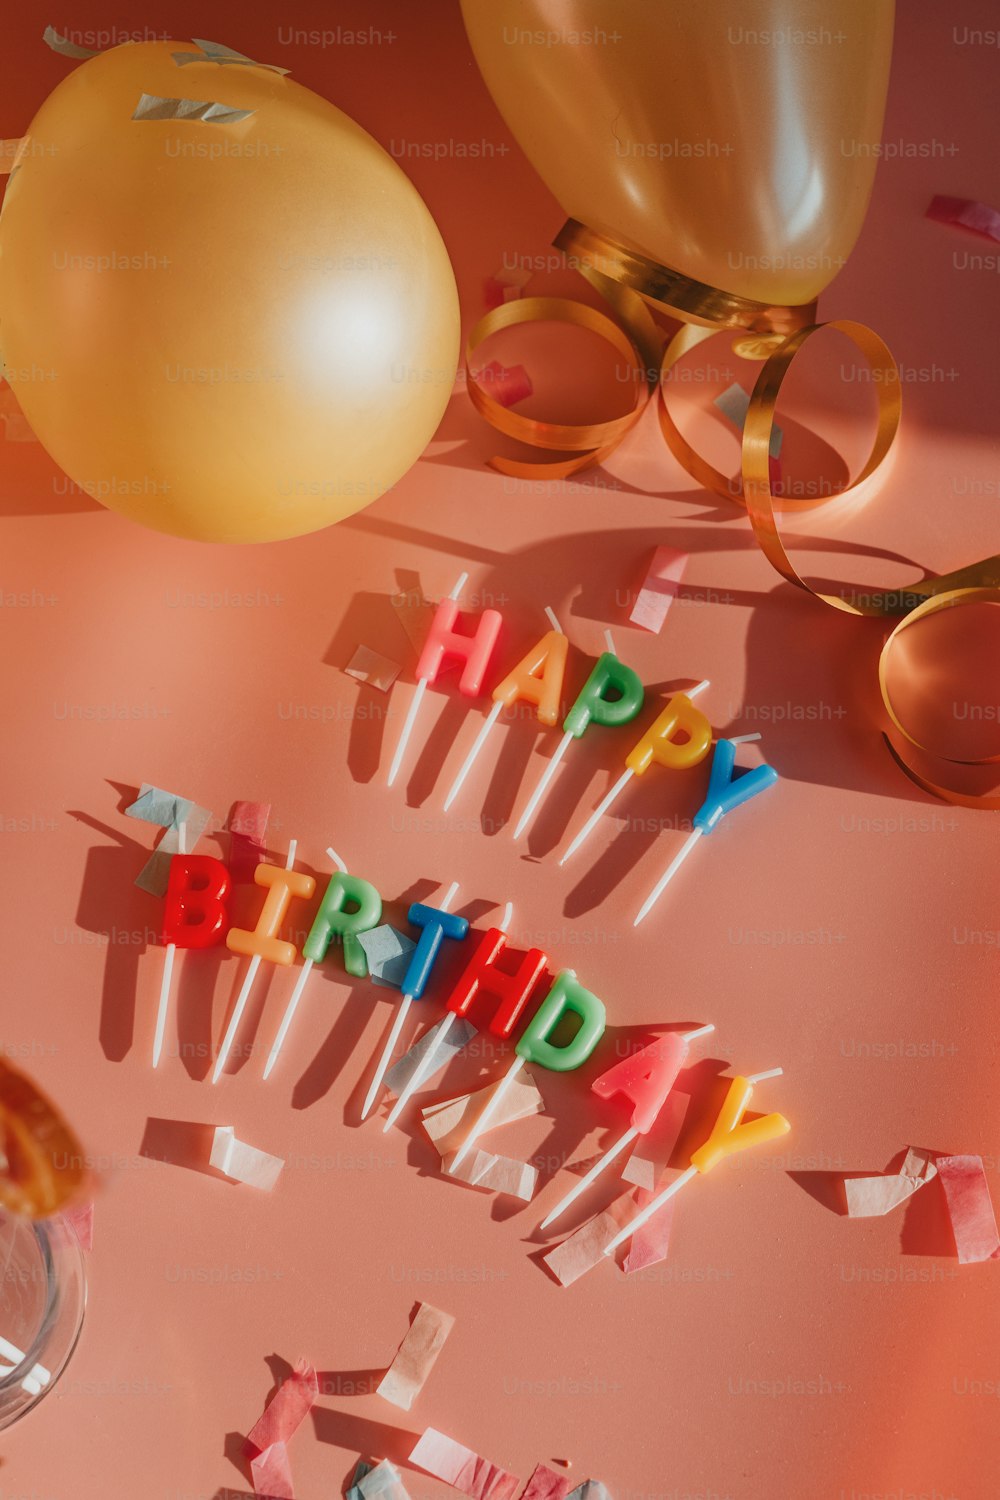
(447,647)
(263,942)
(593,706)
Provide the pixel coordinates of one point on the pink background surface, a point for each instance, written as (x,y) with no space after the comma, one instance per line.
(845,927)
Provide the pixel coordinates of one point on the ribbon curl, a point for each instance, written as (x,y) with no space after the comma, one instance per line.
(630,282)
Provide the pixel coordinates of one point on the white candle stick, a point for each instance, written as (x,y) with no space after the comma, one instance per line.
(296,995)
(492,1105)
(423,1067)
(163,1007)
(244,994)
(416,700)
(542,787)
(619,786)
(668,875)
(36,1377)
(397,1025)
(480,739)
(644,1215)
(418,1075)
(609,1156)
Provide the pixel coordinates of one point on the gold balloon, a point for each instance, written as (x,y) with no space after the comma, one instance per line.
(732,140)
(231,330)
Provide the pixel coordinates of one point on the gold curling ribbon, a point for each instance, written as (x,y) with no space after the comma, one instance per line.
(629,281)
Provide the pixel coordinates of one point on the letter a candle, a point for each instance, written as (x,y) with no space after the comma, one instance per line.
(612,695)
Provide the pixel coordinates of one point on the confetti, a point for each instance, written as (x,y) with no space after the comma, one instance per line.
(507,386)
(584,1249)
(272,1474)
(388,954)
(970,1209)
(447,1123)
(870,1197)
(243,1163)
(401,1072)
(287,1409)
(416,1356)
(156,107)
(500,1174)
(459,1466)
(545,1484)
(372,668)
(659,589)
(966,213)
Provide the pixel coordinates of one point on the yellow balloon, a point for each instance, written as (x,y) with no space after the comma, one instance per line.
(732,140)
(235,329)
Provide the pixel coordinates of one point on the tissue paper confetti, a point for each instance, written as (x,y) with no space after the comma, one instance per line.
(508,386)
(459,1035)
(546,1484)
(590,1489)
(447,1123)
(287,1409)
(868,1197)
(649,1160)
(416,1356)
(967,213)
(272,1474)
(382,1483)
(970,1208)
(500,1174)
(459,1466)
(584,1249)
(243,1163)
(659,590)
(372,668)
(388,954)
(651,1244)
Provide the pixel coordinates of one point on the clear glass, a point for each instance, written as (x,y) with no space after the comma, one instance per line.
(43,1297)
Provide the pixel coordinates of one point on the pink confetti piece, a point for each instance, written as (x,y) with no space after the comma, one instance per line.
(504,286)
(659,590)
(651,1244)
(584,1249)
(508,386)
(967,1193)
(272,1474)
(247,832)
(288,1407)
(445,1459)
(416,1356)
(967,213)
(545,1484)
(373,669)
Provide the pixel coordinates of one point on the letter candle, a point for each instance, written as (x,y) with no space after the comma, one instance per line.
(593,706)
(350,905)
(538,679)
(658,744)
(645,1078)
(729,1136)
(435,923)
(722,796)
(482,975)
(194,916)
(282,885)
(566,995)
(446,647)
